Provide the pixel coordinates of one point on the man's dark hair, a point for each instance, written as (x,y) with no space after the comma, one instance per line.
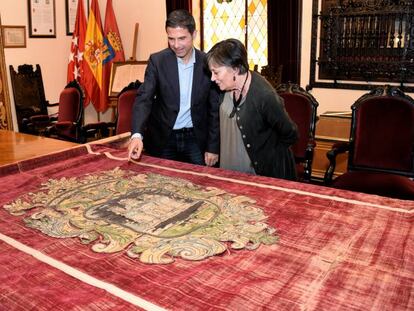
(182,19)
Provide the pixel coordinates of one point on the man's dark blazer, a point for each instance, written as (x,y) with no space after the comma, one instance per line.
(158,101)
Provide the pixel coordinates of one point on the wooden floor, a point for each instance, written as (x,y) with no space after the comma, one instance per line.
(17,146)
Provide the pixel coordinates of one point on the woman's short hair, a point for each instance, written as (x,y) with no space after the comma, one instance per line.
(230,53)
(182,19)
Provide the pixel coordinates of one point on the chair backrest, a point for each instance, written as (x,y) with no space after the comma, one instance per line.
(273,74)
(382,132)
(71,103)
(28,93)
(302,109)
(126,99)
(70,114)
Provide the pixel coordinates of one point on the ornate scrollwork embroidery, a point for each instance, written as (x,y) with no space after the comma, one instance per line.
(154,218)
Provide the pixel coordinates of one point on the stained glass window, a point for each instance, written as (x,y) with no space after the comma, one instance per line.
(245,20)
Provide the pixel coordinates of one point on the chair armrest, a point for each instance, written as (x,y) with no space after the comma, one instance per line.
(54,116)
(337,148)
(96,130)
(49,131)
(310,147)
(63,125)
(57,127)
(36,124)
(39,118)
(97,125)
(65,130)
(307,161)
(51,105)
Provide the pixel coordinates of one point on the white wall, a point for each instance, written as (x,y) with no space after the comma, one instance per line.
(52,53)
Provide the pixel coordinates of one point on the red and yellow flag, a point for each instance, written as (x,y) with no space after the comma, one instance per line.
(95,52)
(113,42)
(75,65)
(101,49)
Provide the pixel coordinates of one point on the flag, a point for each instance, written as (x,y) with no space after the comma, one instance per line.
(113,42)
(75,65)
(95,53)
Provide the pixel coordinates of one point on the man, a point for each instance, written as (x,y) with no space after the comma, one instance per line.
(175,114)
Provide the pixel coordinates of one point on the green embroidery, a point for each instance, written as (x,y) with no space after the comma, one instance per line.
(152,217)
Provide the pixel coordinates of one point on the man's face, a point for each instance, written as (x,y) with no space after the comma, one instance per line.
(180,41)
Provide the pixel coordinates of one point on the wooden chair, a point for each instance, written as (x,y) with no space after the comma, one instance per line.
(381,146)
(69,120)
(122,124)
(302,108)
(29,97)
(126,99)
(273,74)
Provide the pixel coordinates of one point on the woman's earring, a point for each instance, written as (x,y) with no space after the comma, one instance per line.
(234,78)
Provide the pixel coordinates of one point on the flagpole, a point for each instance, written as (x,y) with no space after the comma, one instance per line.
(134,44)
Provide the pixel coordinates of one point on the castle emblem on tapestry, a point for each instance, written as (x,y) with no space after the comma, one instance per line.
(151,217)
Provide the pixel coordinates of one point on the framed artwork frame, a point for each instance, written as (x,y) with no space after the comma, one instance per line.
(123,73)
(42,18)
(71,7)
(14,36)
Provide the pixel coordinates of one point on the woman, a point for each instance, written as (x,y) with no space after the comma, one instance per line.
(256,131)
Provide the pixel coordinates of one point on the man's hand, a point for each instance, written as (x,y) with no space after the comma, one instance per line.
(210,158)
(135,148)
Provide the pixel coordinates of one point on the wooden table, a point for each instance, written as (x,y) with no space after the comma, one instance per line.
(18,146)
(71,239)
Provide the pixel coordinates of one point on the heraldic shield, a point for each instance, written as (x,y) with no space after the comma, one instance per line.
(152,217)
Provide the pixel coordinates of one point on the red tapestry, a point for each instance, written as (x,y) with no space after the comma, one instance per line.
(298,246)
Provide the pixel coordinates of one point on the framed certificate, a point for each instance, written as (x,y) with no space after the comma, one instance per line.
(42,19)
(71,10)
(14,36)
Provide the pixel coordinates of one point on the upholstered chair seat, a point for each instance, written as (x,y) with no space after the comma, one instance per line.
(384,184)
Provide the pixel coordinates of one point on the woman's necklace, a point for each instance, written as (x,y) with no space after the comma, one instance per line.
(236,102)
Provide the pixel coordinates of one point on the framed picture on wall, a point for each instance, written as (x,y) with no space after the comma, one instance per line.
(14,36)
(71,10)
(123,73)
(42,19)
